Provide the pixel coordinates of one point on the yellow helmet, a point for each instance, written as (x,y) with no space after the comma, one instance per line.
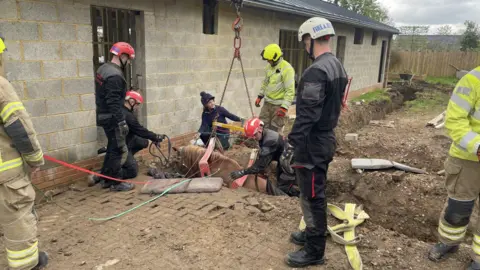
(272,52)
(3,48)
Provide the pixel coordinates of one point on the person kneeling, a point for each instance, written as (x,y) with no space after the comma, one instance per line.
(137,139)
(271,148)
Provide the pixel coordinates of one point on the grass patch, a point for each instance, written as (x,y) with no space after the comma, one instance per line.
(427,101)
(377,94)
(450,81)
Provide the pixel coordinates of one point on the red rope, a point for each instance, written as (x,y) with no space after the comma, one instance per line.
(68,165)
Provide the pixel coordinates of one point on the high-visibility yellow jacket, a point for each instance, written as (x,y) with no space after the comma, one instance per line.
(278,87)
(463,117)
(18,141)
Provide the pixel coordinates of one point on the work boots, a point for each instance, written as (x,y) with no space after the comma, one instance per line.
(474,266)
(440,250)
(122,187)
(302,258)
(42,260)
(93,180)
(298,238)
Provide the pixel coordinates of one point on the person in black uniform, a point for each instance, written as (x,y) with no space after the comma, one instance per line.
(271,148)
(312,142)
(137,138)
(110,91)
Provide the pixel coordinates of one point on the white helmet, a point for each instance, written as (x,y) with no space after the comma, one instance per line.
(316,27)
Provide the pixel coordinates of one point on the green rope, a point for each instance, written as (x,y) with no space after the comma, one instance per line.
(142,204)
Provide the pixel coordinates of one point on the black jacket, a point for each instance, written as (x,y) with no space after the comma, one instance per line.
(135,128)
(110,91)
(319,102)
(271,148)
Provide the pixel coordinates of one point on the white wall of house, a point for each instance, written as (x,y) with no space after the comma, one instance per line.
(50,64)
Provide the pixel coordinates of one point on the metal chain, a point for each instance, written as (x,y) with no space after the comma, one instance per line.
(237,44)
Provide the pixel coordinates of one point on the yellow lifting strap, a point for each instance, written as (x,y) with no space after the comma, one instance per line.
(351,217)
(229,126)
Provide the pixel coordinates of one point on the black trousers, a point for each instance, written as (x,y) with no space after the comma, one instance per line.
(312,184)
(129,169)
(113,157)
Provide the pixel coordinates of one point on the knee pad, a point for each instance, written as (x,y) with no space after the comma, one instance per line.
(458,212)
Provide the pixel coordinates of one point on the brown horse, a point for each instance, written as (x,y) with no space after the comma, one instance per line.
(220,166)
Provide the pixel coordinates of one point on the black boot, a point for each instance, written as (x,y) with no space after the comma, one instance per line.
(474,266)
(93,180)
(440,250)
(302,258)
(42,260)
(298,238)
(122,187)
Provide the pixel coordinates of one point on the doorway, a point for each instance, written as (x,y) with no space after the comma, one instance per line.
(111,25)
(340,52)
(382,61)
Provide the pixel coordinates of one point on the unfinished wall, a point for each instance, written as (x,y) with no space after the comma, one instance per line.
(49,63)
(362,61)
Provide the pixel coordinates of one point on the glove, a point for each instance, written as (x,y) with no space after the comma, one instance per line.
(124,155)
(281,112)
(237,174)
(159,138)
(242,121)
(286,159)
(257,102)
(123,128)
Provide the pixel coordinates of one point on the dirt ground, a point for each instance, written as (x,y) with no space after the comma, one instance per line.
(241,229)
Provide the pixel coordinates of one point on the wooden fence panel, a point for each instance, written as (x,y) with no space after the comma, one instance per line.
(434,63)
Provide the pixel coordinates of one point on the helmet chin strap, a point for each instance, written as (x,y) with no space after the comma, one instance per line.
(132,107)
(124,64)
(311,54)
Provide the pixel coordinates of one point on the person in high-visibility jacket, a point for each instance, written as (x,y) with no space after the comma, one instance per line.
(462,169)
(19,149)
(278,89)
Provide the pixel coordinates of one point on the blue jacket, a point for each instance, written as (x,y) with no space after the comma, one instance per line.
(209,116)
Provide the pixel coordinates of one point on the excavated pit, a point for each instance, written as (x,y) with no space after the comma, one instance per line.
(405,203)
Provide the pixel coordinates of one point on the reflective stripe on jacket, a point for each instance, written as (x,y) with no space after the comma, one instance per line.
(463,117)
(278,87)
(18,141)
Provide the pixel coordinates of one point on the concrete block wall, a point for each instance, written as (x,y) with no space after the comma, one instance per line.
(49,43)
(362,61)
(182,62)
(50,65)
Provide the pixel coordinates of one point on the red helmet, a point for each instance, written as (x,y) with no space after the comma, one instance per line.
(134,95)
(120,48)
(251,126)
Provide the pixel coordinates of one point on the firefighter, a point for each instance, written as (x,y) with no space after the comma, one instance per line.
(278,89)
(20,149)
(312,140)
(209,114)
(110,91)
(137,138)
(271,148)
(462,169)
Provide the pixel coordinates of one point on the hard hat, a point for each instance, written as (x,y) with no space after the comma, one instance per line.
(3,47)
(120,48)
(271,52)
(251,126)
(134,95)
(316,27)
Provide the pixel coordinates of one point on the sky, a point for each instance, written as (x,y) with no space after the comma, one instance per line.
(433,12)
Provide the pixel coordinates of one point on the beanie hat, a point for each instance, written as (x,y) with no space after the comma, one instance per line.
(205,97)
